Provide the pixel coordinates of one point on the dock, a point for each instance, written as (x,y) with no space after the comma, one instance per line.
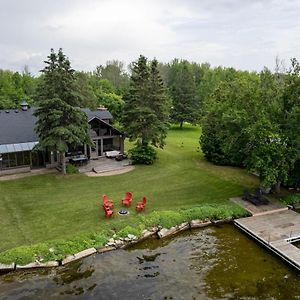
(277,230)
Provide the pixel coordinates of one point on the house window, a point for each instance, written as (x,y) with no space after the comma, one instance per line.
(26,158)
(12,160)
(5,161)
(20,158)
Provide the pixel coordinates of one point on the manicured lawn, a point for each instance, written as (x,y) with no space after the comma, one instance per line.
(40,208)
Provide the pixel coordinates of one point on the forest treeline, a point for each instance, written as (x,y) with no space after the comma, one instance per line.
(248,119)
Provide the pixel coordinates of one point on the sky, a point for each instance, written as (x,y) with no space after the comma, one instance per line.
(244,34)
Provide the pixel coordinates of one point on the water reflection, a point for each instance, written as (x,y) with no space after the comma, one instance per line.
(210,263)
(245,269)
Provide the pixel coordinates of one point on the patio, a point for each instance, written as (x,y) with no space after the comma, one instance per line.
(103,165)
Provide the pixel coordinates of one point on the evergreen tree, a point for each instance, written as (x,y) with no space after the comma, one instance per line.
(60,124)
(146,106)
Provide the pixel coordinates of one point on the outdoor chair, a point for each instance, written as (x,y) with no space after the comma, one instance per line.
(256,199)
(108,212)
(141,205)
(259,195)
(127,200)
(107,203)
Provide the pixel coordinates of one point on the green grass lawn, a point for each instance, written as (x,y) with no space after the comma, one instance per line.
(45,207)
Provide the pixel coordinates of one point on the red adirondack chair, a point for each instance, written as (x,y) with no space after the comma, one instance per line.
(141,205)
(108,211)
(127,200)
(107,203)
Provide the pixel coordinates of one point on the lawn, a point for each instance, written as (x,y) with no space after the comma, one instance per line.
(46,207)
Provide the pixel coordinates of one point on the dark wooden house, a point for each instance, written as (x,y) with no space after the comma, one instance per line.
(18,138)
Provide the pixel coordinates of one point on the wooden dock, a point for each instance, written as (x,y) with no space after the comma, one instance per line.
(276,230)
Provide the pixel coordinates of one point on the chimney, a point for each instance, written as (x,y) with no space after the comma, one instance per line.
(24,105)
(101,108)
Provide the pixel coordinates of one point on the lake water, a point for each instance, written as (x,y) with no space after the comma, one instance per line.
(217,262)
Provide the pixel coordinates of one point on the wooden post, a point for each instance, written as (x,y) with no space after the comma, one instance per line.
(121,144)
(101,143)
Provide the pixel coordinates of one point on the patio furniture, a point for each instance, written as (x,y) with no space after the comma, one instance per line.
(106,202)
(108,212)
(127,200)
(141,205)
(257,199)
(260,196)
(112,154)
(79,160)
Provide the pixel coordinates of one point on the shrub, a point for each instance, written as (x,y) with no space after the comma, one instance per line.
(71,169)
(142,154)
(130,230)
(291,199)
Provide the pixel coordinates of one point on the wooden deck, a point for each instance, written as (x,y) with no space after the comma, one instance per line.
(103,164)
(275,230)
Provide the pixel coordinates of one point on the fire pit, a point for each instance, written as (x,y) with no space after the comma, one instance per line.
(123,212)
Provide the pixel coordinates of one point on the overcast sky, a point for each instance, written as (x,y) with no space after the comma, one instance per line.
(245,34)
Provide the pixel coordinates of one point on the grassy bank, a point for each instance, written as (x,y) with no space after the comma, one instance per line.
(51,207)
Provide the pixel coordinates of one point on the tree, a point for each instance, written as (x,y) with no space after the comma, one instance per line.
(60,123)
(253,120)
(146,108)
(186,105)
(86,95)
(114,72)
(113,102)
(268,153)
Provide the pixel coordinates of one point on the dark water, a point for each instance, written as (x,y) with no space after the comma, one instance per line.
(211,263)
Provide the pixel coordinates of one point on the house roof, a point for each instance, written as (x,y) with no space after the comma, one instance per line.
(17,126)
(101,114)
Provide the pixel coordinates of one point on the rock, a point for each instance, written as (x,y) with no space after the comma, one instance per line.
(132,236)
(68,259)
(199,223)
(105,249)
(166,232)
(127,239)
(223,221)
(296,205)
(146,234)
(79,255)
(6,268)
(48,264)
(111,240)
(119,243)
(156,229)
(111,244)
(183,226)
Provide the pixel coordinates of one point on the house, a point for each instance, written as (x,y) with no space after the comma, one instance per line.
(18,138)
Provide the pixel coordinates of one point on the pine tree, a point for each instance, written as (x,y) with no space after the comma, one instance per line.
(60,123)
(146,108)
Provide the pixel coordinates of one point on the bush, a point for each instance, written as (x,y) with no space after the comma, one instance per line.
(291,199)
(53,250)
(71,169)
(130,230)
(143,154)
